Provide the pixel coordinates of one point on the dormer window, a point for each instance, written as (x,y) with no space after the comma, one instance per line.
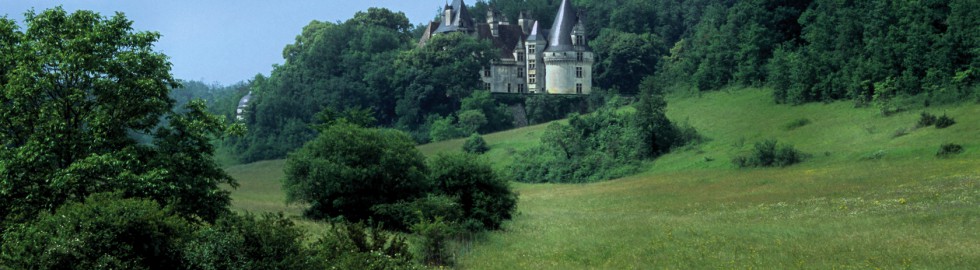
(579,40)
(520,56)
(530,49)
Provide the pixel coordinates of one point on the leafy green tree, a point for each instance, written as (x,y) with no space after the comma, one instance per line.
(471,120)
(625,58)
(347,170)
(485,198)
(433,79)
(498,115)
(74,89)
(445,128)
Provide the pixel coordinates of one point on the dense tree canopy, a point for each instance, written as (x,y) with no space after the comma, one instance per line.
(75,86)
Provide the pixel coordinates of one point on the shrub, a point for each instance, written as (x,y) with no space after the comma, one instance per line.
(925,120)
(486,200)
(471,120)
(357,246)
(104,232)
(944,121)
(246,242)
(442,129)
(949,149)
(770,153)
(432,241)
(475,145)
(798,123)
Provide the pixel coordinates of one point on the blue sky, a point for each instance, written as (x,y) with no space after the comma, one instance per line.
(226,41)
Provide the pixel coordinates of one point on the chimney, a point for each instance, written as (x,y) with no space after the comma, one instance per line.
(492,22)
(448,16)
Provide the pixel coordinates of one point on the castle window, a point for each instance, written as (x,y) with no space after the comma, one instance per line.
(531,63)
(520,56)
(520,72)
(508,88)
(578,72)
(487,86)
(530,49)
(579,40)
(531,78)
(520,88)
(578,88)
(486,72)
(580,56)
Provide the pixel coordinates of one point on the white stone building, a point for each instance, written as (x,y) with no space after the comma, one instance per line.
(532,59)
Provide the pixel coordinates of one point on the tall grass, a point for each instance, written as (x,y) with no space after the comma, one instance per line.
(691,209)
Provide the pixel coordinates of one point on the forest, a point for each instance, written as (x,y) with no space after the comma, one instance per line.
(888,54)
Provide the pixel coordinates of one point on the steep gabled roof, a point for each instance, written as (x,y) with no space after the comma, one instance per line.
(507,39)
(560,38)
(460,18)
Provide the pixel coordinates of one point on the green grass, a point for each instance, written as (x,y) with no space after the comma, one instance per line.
(691,209)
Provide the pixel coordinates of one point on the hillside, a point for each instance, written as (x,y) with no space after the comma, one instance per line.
(865,198)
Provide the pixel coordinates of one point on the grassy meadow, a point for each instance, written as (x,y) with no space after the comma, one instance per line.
(872,194)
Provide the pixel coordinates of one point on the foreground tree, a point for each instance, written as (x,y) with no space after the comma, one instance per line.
(348,169)
(74,89)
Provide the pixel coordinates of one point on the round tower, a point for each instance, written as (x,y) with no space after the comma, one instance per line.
(568,59)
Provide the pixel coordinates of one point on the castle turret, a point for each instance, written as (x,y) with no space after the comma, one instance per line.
(537,42)
(568,60)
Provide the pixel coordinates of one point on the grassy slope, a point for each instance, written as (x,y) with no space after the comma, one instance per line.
(691,209)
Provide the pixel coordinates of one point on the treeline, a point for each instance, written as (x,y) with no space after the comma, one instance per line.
(370,62)
(822,50)
(873,52)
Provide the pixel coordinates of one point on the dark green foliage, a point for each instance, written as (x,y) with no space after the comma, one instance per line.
(948,150)
(475,145)
(64,139)
(485,199)
(104,232)
(770,153)
(347,170)
(606,144)
(944,121)
(404,214)
(445,128)
(498,116)
(625,59)
(335,66)
(356,246)
(925,120)
(246,242)
(544,108)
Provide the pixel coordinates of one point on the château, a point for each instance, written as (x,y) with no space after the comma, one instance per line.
(532,59)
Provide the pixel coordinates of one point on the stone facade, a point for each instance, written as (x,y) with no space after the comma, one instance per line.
(532,59)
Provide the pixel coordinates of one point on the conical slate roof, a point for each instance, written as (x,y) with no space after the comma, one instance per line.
(536,33)
(560,38)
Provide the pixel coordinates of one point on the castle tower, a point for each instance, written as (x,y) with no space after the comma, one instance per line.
(537,42)
(568,58)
